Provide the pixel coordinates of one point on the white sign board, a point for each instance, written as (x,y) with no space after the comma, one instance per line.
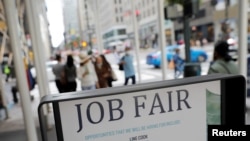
(177,113)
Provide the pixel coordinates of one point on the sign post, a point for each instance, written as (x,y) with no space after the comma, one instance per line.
(149,111)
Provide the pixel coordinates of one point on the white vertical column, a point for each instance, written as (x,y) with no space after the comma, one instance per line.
(14,31)
(34,14)
(162,38)
(37,42)
(136,40)
(242,24)
(98,28)
(3,96)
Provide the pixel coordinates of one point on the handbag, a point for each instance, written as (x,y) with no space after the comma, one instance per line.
(63,78)
(171,64)
(121,67)
(113,75)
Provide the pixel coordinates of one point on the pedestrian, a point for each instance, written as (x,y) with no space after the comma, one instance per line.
(57,71)
(178,63)
(12,70)
(30,80)
(112,77)
(103,71)
(69,75)
(116,55)
(222,61)
(7,71)
(86,73)
(127,62)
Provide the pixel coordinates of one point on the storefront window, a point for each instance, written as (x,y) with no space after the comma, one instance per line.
(121,32)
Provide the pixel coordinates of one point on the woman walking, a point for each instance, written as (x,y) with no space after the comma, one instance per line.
(103,71)
(70,74)
(86,73)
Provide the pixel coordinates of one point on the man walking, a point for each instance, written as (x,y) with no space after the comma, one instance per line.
(127,62)
(58,70)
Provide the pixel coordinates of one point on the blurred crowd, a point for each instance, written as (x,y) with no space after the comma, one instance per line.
(93,70)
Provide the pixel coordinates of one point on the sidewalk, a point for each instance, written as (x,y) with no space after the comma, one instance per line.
(13,128)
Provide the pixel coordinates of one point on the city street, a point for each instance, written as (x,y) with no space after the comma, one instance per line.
(34,31)
(148,74)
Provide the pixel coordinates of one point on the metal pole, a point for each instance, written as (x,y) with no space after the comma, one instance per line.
(226,10)
(34,20)
(80,16)
(172,32)
(226,22)
(162,37)
(88,26)
(136,41)
(242,24)
(187,38)
(98,29)
(38,48)
(14,31)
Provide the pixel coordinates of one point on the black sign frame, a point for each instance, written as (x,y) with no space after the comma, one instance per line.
(233,98)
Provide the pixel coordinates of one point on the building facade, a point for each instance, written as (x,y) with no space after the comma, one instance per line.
(70,18)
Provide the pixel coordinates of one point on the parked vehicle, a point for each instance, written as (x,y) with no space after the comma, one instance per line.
(196,54)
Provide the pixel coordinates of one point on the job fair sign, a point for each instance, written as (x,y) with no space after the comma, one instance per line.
(177,113)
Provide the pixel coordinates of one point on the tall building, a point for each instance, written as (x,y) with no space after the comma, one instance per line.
(205,25)
(147,20)
(70,16)
(225,19)
(86,9)
(112,23)
(201,25)
(111,13)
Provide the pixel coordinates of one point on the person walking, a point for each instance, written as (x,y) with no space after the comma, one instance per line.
(70,74)
(116,55)
(178,63)
(222,61)
(57,71)
(86,73)
(7,71)
(127,62)
(103,71)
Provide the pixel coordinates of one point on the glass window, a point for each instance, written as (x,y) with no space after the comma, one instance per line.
(110,34)
(121,19)
(117,19)
(121,31)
